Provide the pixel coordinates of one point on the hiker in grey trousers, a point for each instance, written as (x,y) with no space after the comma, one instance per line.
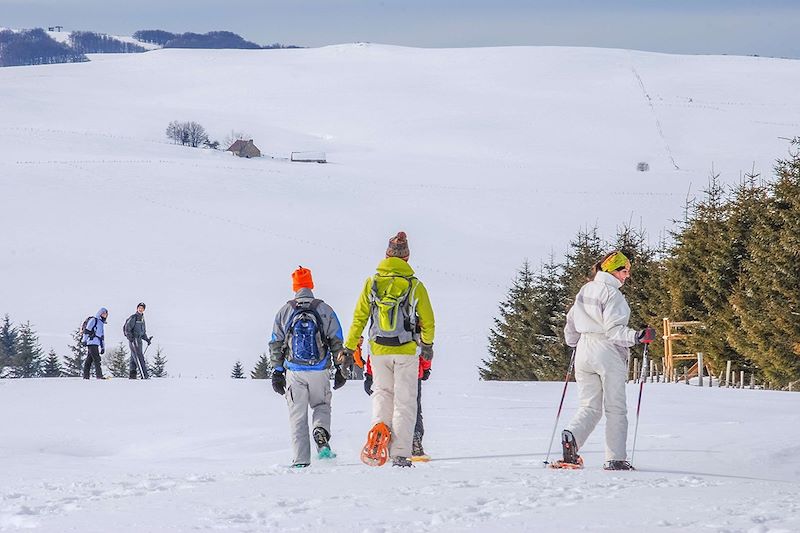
(305,333)
(135,331)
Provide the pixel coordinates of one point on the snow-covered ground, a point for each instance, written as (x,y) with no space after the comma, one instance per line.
(211,455)
(483,156)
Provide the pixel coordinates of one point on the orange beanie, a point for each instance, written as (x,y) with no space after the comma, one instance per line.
(301,279)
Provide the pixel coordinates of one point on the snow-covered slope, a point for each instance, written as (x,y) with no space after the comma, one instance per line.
(211,455)
(484,156)
(63,37)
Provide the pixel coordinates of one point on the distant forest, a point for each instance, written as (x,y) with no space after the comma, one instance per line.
(36,47)
(212,39)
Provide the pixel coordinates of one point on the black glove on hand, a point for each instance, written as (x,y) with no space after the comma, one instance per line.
(345,357)
(646,336)
(102,351)
(427,351)
(148,340)
(279,382)
(368,384)
(338,378)
(426,374)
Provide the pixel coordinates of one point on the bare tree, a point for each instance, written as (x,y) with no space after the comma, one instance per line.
(187,133)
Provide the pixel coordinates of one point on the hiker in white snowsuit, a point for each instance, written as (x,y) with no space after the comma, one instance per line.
(300,353)
(597,327)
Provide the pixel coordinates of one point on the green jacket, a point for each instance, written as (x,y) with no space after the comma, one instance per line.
(392,266)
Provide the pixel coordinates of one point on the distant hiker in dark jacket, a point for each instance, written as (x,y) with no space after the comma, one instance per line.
(136,332)
(95,340)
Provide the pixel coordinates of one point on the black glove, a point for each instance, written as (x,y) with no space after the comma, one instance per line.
(148,340)
(368,384)
(345,357)
(427,351)
(102,350)
(426,374)
(646,336)
(339,378)
(279,382)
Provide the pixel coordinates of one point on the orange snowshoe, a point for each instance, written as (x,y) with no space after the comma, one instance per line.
(567,466)
(376,450)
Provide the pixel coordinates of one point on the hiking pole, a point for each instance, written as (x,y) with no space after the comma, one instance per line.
(560,405)
(639,403)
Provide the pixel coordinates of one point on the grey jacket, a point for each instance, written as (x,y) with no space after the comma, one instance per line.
(135,328)
(331,329)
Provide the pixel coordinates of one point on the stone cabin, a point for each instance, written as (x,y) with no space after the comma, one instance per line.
(244,148)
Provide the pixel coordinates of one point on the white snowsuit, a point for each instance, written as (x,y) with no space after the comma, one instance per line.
(597,326)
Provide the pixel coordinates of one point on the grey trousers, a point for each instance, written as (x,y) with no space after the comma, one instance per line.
(304,390)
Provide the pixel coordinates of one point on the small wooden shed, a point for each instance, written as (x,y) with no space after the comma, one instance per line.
(244,148)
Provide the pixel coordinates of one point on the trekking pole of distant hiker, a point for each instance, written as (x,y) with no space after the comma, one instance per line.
(639,403)
(560,405)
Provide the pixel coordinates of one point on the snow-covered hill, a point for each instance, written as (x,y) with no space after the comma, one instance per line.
(210,455)
(484,156)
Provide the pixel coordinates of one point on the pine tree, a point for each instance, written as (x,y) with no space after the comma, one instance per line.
(238,371)
(119,362)
(263,369)
(525,343)
(766,301)
(696,273)
(585,250)
(159,367)
(8,347)
(52,366)
(28,362)
(73,365)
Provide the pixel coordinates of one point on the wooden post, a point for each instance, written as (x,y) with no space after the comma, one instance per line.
(699,369)
(667,351)
(728,374)
(752,381)
(719,380)
(741,379)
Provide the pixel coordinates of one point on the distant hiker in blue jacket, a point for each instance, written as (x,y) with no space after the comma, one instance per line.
(305,334)
(135,331)
(94,337)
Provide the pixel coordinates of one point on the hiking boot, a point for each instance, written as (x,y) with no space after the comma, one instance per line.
(416,446)
(301,465)
(618,465)
(402,462)
(570,449)
(321,438)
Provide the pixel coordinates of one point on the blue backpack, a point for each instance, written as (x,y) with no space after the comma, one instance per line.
(304,336)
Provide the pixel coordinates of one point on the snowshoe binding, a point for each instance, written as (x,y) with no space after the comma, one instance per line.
(376,450)
(417,451)
(618,465)
(401,462)
(571,460)
(321,439)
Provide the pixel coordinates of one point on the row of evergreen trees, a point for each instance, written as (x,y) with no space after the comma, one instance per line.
(22,356)
(732,263)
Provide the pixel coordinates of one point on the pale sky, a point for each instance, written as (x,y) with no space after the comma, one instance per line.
(743,27)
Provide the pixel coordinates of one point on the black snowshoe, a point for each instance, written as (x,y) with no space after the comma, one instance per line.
(571,458)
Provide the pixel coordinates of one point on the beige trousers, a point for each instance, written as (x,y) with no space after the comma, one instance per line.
(394,398)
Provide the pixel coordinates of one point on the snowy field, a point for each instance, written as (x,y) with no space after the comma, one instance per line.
(484,157)
(211,455)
